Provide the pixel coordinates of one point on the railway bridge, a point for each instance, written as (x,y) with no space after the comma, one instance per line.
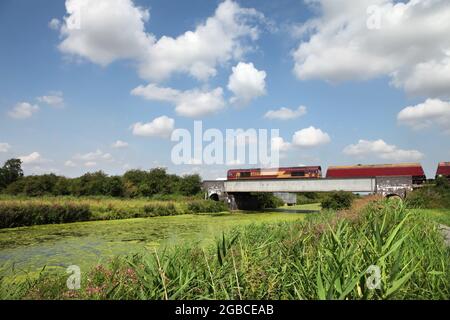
(241,189)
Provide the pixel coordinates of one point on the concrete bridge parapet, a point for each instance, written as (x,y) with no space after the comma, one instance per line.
(214,190)
(394,186)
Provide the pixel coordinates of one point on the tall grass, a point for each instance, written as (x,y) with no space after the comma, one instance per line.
(18,214)
(17,211)
(325,258)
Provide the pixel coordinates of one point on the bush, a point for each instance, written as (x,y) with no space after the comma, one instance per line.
(15,214)
(21,211)
(307,198)
(203,206)
(418,200)
(190,185)
(430,197)
(442,183)
(338,200)
(160,209)
(15,188)
(268,201)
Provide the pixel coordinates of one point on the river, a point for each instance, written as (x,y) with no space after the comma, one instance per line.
(28,249)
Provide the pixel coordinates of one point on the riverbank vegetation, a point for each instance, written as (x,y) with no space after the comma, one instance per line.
(49,199)
(17,212)
(339,200)
(325,257)
(434,195)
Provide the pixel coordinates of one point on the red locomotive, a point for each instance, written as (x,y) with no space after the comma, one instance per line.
(311,172)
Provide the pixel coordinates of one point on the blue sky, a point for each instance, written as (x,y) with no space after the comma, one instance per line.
(375,85)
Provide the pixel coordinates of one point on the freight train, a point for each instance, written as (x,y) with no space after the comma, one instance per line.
(443,170)
(413,170)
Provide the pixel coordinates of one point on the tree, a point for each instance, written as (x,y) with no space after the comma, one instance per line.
(15,188)
(132,181)
(62,187)
(130,190)
(93,184)
(136,177)
(190,185)
(11,171)
(35,186)
(158,182)
(114,187)
(174,183)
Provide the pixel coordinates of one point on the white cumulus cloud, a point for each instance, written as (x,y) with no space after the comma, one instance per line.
(120,144)
(94,156)
(159,127)
(90,159)
(364,39)
(190,103)
(310,137)
(432,112)
(279,144)
(103,31)
(285,113)
(218,40)
(90,164)
(70,163)
(382,150)
(33,158)
(23,110)
(247,83)
(4,147)
(54,99)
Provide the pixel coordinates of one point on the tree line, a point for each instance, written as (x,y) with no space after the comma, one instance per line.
(134,183)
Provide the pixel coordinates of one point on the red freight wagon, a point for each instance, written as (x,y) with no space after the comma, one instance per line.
(379,170)
(275,173)
(443,170)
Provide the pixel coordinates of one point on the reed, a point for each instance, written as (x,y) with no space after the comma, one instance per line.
(323,258)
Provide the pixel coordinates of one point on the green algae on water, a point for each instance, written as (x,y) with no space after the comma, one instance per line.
(88,243)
